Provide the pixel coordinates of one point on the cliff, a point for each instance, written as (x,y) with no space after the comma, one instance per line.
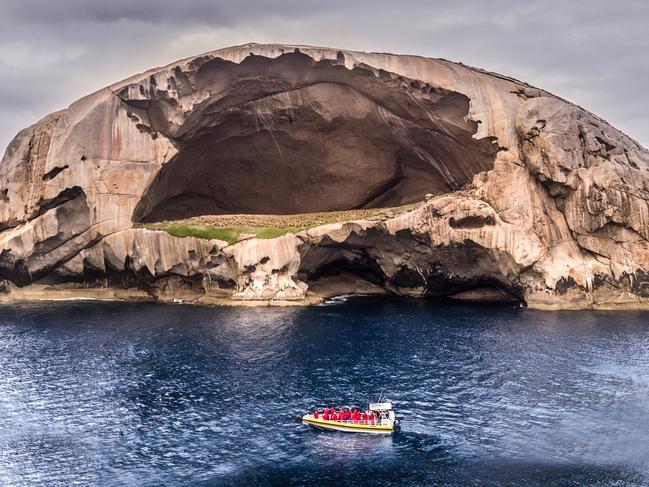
(512,192)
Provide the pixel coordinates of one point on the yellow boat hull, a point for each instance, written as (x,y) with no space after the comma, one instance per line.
(347,427)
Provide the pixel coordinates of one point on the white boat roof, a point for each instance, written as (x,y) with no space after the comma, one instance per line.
(380,406)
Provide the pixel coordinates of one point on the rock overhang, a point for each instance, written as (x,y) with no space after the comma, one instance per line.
(291,135)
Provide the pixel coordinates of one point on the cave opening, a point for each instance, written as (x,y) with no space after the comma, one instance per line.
(294,135)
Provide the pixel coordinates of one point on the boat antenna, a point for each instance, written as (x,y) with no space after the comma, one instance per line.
(381,394)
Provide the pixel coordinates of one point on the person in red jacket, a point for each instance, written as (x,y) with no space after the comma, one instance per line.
(365,417)
(316,414)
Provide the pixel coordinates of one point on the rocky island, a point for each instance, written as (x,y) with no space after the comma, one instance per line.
(278,175)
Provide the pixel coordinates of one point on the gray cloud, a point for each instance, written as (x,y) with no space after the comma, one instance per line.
(595,52)
(215,12)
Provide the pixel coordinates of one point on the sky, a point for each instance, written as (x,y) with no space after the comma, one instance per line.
(594,53)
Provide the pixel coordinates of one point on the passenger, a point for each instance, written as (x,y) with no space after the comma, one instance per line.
(372,417)
(364,417)
(326,411)
(316,414)
(325,416)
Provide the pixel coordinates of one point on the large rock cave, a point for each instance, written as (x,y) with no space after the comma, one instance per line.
(293,135)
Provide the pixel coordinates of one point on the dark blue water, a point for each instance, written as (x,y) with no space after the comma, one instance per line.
(148,394)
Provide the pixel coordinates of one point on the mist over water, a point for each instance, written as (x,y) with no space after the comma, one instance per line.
(151,394)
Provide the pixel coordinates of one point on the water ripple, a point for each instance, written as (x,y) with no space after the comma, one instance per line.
(125,394)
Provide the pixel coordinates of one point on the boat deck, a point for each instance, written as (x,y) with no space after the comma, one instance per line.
(348,425)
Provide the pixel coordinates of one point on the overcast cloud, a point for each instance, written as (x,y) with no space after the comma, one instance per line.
(594,53)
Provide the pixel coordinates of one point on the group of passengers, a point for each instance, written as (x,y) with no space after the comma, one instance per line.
(348,416)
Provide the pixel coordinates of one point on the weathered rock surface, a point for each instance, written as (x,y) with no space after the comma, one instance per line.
(523,195)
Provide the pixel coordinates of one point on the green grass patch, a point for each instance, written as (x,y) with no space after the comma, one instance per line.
(228,234)
(272,232)
(230,227)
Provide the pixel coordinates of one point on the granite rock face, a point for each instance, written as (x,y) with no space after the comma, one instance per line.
(521,194)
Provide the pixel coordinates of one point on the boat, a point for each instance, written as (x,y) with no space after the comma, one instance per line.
(380,421)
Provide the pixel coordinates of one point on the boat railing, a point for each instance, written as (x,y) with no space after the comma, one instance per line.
(366,422)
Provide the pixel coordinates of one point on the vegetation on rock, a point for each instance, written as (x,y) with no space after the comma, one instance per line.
(230,228)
